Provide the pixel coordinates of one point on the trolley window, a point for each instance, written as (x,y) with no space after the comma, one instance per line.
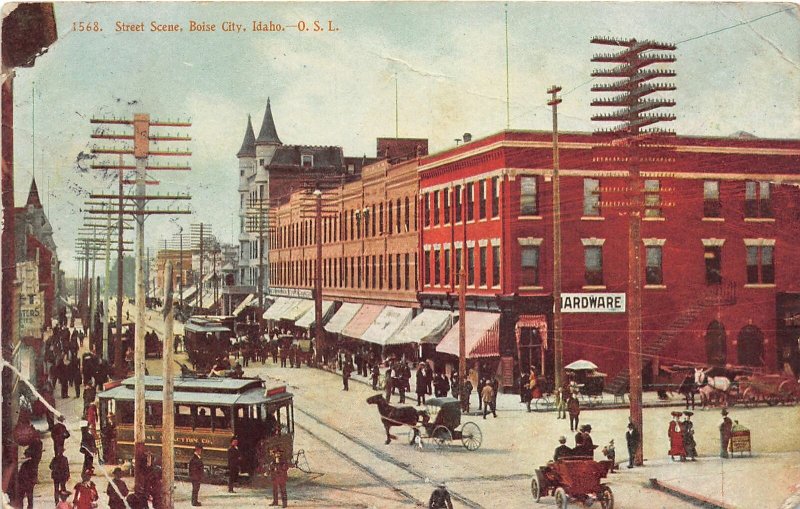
(183,416)
(125,412)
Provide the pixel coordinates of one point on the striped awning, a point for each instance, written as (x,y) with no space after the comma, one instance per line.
(346,312)
(247,300)
(390,320)
(482,336)
(307,320)
(280,305)
(300,307)
(427,327)
(363,319)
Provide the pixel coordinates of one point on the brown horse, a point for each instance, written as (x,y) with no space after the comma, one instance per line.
(395,416)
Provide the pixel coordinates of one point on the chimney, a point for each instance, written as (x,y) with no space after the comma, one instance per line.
(467,137)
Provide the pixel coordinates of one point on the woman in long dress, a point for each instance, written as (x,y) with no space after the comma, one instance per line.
(675,433)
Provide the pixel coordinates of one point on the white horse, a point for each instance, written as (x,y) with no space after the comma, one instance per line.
(711,387)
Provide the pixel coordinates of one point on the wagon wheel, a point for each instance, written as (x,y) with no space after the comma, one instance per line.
(538,485)
(301,462)
(748,397)
(606,497)
(786,392)
(442,436)
(561,498)
(471,436)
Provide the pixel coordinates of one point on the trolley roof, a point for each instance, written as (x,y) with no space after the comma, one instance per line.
(209,391)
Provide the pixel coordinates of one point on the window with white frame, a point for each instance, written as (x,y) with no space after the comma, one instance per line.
(757,200)
(528,200)
(591,197)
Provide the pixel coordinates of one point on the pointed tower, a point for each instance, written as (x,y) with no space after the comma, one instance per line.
(33,196)
(249,143)
(267,140)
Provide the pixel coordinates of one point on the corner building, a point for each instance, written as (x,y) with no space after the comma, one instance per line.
(720,271)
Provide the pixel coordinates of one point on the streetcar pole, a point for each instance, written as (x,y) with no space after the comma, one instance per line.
(168,411)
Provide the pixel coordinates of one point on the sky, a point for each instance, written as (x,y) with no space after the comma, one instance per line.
(738,69)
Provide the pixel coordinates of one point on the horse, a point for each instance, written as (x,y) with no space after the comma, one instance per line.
(395,416)
(711,387)
(688,389)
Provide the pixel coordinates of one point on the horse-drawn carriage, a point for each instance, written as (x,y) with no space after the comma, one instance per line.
(769,388)
(589,380)
(443,423)
(573,478)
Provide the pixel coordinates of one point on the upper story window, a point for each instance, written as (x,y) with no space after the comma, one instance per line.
(398,216)
(457,203)
(446,205)
(712,207)
(483,262)
(380,218)
(389,217)
(482,199)
(760,264)
(713,261)
(408,214)
(652,198)
(528,199)
(470,266)
(529,265)
(591,197)
(593,261)
(436,207)
(757,199)
(495,196)
(307,160)
(427,268)
(426,209)
(653,272)
(495,265)
(470,188)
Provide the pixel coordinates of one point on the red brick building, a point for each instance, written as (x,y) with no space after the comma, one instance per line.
(721,273)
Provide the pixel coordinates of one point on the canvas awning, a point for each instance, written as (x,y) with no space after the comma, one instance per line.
(427,327)
(482,336)
(342,317)
(301,307)
(307,320)
(275,310)
(386,324)
(247,300)
(363,319)
(188,293)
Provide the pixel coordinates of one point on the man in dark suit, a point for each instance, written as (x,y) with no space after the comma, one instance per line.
(279,469)
(562,450)
(196,473)
(632,438)
(234,458)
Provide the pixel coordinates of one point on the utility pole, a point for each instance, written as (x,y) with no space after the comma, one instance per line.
(168,414)
(141,152)
(632,76)
(200,235)
(558,326)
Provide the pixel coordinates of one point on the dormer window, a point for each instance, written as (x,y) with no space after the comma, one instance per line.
(307,160)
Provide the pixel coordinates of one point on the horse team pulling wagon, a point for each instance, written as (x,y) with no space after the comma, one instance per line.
(771,389)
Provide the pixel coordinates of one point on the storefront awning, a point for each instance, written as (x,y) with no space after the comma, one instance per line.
(301,307)
(307,320)
(247,300)
(342,317)
(427,327)
(188,293)
(482,337)
(363,319)
(275,310)
(386,324)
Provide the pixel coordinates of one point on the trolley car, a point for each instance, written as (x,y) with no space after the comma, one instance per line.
(209,412)
(207,340)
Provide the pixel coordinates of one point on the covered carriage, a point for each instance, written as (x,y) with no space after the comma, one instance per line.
(443,425)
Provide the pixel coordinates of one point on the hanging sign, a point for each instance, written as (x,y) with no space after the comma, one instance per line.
(592,302)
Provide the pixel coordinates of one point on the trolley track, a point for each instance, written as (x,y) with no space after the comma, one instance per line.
(383,456)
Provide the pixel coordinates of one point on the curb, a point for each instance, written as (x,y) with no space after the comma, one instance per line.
(688,496)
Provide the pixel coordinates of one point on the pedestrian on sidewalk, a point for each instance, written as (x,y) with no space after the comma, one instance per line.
(59,433)
(725,431)
(632,439)
(59,473)
(561,403)
(376,373)
(85,492)
(487,395)
(347,370)
(196,474)
(574,409)
(234,458)
(421,384)
(279,469)
(481,385)
(675,434)
(114,499)
(687,426)
(88,447)
(466,394)
(27,478)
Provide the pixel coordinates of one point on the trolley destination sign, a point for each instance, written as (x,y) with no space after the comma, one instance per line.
(592,302)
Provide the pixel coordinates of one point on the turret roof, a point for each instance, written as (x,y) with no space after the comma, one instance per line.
(33,195)
(249,143)
(268,133)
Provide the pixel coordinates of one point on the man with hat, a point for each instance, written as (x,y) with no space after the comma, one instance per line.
(59,473)
(586,447)
(88,446)
(117,491)
(563,450)
(632,440)
(725,430)
(688,436)
(59,434)
(440,498)
(196,473)
(85,491)
(234,458)
(675,434)
(279,471)
(27,478)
